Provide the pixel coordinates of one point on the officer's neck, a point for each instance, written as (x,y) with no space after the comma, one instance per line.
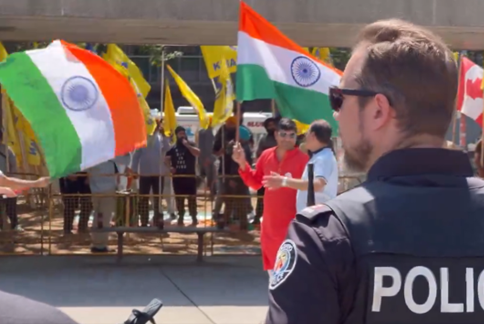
(416,141)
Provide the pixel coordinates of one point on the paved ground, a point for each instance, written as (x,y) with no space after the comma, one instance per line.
(95,290)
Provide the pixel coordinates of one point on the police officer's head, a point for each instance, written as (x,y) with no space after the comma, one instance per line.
(319,135)
(397,91)
(286,134)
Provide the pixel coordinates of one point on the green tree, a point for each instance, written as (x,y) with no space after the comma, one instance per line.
(340,57)
(158,53)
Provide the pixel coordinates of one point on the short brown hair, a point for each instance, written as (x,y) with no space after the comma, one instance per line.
(414,69)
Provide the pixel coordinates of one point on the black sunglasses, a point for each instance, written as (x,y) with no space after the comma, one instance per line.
(336,96)
(284,134)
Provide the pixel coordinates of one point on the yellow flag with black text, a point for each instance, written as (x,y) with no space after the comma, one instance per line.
(115,55)
(225,96)
(213,55)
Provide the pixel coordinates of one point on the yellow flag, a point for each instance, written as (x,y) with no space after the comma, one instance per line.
(301,128)
(3,52)
(19,132)
(224,102)
(115,55)
(169,117)
(212,55)
(12,136)
(191,97)
(323,54)
(456,56)
(27,136)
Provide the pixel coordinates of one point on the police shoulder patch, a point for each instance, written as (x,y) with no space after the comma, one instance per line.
(313,211)
(285,263)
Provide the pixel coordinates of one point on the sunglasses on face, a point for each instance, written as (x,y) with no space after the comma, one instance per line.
(285,134)
(336,96)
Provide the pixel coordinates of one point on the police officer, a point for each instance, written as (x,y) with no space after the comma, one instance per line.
(407,246)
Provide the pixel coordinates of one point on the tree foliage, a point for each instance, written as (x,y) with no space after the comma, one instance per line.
(157,53)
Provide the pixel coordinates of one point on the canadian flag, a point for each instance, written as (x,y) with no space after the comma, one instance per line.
(469,94)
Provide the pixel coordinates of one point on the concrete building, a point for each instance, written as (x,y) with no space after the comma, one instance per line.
(214,22)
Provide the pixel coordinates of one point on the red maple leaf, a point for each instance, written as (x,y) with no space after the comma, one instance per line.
(473,88)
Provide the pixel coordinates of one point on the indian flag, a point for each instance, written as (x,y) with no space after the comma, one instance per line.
(271,66)
(82,110)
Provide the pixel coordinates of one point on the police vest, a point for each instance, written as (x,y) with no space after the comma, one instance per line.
(419,251)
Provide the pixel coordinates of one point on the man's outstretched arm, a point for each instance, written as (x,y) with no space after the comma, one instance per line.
(16,184)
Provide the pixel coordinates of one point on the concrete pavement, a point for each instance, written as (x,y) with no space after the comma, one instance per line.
(95,290)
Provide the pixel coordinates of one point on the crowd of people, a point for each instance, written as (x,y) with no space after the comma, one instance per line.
(174,166)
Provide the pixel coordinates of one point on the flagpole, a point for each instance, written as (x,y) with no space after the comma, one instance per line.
(162,92)
(162,110)
(273,108)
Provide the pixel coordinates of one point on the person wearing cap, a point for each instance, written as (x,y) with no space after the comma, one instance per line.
(237,206)
(182,157)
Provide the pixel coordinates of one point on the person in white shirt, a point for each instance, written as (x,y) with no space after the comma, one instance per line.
(320,146)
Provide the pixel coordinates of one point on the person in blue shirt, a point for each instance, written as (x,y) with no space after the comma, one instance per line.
(320,146)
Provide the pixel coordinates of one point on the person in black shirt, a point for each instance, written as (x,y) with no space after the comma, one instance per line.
(183,160)
(406,246)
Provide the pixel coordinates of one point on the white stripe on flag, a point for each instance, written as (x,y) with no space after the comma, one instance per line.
(93,126)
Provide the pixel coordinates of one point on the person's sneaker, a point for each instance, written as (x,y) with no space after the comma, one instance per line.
(101,250)
(18,228)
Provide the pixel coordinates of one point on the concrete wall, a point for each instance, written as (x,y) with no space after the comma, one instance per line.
(213,22)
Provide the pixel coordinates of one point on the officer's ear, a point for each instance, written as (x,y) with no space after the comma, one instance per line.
(381,111)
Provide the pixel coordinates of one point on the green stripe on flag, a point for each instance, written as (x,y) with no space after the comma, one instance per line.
(37,101)
(301,104)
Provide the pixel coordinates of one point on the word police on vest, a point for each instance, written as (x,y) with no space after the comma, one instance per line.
(457,290)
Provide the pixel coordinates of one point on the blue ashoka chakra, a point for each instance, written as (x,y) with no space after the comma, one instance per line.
(79,93)
(304,71)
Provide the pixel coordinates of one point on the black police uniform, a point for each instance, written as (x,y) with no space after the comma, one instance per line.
(407,246)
